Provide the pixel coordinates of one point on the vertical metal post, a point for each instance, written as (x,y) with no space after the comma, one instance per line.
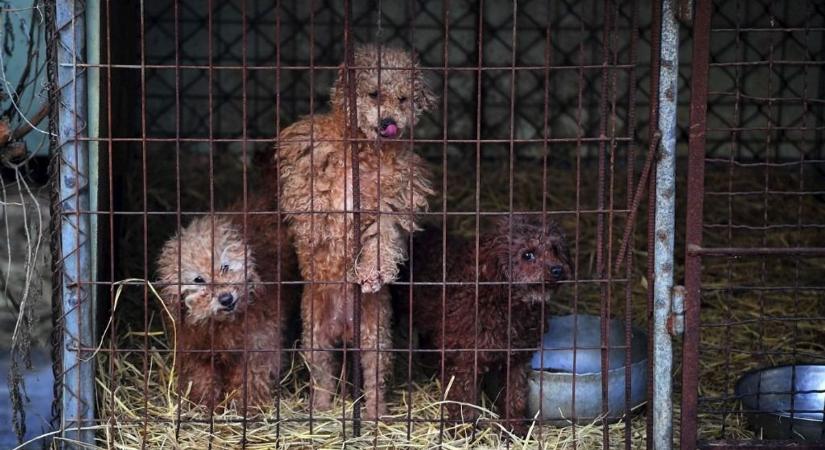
(693,221)
(665,215)
(93,131)
(357,381)
(73,221)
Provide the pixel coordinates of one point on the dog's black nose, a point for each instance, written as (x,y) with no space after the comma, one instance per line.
(226,299)
(557,272)
(387,122)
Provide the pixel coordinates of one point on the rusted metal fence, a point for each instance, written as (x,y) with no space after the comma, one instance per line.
(566,112)
(754,223)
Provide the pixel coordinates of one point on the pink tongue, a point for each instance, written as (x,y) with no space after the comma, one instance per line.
(390,131)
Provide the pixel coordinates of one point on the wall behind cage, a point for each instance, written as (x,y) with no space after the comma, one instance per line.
(297,35)
(767,82)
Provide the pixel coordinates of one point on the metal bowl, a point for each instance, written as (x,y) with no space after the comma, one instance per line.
(553,377)
(766,399)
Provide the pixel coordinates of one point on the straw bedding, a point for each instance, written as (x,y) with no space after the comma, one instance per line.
(286,426)
(164,420)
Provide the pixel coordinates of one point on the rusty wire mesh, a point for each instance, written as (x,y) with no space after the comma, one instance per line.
(551,127)
(762,227)
(543,109)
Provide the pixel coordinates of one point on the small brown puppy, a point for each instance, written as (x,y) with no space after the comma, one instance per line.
(245,313)
(532,263)
(315,175)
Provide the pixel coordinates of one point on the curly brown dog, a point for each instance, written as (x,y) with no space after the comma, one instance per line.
(220,286)
(497,322)
(315,174)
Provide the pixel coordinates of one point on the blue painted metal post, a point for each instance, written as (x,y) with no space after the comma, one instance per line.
(665,221)
(75,244)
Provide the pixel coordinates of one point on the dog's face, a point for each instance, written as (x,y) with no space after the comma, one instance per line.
(390,91)
(220,291)
(537,254)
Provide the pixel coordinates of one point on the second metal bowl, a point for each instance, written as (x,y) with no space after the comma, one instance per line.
(767,394)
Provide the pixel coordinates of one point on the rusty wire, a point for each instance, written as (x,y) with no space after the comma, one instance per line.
(582,118)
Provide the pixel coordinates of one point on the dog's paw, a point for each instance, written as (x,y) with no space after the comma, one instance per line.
(321,401)
(373,411)
(519,427)
(370,282)
(464,413)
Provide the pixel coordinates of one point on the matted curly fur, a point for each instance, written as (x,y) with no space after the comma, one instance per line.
(499,320)
(233,311)
(315,175)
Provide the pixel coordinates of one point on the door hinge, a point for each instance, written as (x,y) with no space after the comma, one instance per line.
(676,321)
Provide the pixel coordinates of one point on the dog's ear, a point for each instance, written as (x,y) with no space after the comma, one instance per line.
(253,281)
(338,90)
(342,74)
(495,251)
(416,56)
(425,98)
(169,291)
(169,295)
(169,278)
(499,227)
(493,263)
(560,247)
(502,223)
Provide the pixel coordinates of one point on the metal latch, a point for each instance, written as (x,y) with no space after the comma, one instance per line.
(685,11)
(676,321)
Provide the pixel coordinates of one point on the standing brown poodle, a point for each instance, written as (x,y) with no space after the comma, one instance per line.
(491,334)
(316,191)
(211,281)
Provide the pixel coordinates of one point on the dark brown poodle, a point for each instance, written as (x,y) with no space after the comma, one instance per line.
(506,315)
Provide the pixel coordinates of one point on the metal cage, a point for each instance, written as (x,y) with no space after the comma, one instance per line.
(650,131)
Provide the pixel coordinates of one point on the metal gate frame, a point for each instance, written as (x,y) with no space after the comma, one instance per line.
(693,236)
(76,253)
(664,208)
(71,223)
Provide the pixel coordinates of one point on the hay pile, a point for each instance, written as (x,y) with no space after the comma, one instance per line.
(132,418)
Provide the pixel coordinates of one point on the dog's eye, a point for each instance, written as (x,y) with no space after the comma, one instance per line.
(374,94)
(402,99)
(199,279)
(528,256)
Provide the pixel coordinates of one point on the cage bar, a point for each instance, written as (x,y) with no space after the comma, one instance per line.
(78,397)
(192,86)
(665,228)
